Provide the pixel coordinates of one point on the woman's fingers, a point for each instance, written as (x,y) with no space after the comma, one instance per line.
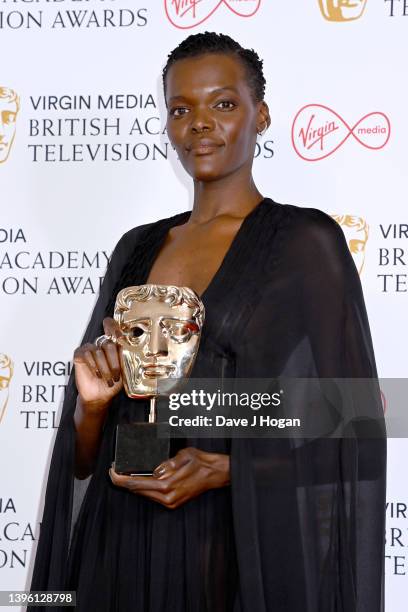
(160,491)
(103,360)
(103,366)
(185,455)
(85,355)
(112,358)
(137,483)
(112,328)
(96,361)
(171,489)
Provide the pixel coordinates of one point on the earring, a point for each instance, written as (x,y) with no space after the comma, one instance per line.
(262,132)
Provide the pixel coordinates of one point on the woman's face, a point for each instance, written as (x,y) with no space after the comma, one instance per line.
(212,119)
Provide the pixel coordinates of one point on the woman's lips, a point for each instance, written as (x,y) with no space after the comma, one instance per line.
(203,148)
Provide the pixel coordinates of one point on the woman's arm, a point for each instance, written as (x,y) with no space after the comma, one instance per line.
(88,434)
(98,380)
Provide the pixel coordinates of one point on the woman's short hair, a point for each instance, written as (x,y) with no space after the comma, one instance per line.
(210,42)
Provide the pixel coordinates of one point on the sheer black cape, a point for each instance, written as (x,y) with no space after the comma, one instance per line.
(301,527)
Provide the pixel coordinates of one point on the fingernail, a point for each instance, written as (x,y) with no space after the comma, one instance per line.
(110,382)
(159,471)
(99,375)
(116,378)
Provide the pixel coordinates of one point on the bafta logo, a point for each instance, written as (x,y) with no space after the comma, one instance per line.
(342,10)
(9,107)
(6,374)
(356,232)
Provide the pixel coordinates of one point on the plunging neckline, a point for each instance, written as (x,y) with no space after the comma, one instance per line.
(181,219)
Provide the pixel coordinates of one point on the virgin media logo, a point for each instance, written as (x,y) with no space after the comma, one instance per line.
(185,14)
(318,131)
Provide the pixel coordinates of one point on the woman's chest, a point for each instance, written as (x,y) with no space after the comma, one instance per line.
(193,256)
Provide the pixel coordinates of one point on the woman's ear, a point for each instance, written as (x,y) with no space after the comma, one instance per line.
(264,118)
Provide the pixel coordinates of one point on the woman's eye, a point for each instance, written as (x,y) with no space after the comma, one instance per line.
(179,111)
(226,105)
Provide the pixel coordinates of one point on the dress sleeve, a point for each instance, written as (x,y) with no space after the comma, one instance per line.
(309,515)
(52,551)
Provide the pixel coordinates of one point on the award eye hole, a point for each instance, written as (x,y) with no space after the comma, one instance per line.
(9,117)
(192,327)
(180,331)
(136,332)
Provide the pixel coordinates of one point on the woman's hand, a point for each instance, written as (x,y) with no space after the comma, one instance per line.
(179,479)
(97,371)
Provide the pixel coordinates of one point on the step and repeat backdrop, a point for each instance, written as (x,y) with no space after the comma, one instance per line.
(84,156)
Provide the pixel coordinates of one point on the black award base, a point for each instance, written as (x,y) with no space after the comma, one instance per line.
(139,450)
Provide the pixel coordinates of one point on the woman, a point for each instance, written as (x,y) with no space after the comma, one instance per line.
(242,524)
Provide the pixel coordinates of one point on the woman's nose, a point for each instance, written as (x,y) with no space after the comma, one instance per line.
(202,121)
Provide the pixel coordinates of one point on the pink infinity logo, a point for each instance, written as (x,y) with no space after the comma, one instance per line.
(185,14)
(318,131)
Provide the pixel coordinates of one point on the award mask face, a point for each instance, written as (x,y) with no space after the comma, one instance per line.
(6,374)
(9,106)
(162,329)
(356,231)
(342,10)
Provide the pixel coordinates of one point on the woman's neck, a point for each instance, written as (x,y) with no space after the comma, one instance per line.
(233,196)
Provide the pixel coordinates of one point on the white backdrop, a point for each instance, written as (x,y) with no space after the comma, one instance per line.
(85,140)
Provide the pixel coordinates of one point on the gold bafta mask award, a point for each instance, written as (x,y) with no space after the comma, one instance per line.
(161,327)
(342,10)
(356,231)
(6,374)
(9,107)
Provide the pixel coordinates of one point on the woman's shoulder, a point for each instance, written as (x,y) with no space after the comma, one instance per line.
(312,224)
(310,238)
(305,216)
(147,231)
(146,228)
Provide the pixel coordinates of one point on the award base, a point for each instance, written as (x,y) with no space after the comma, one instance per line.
(139,450)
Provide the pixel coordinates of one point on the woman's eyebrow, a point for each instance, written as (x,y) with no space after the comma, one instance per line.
(228,88)
(212,92)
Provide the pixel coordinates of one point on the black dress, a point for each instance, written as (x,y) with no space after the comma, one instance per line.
(301,528)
